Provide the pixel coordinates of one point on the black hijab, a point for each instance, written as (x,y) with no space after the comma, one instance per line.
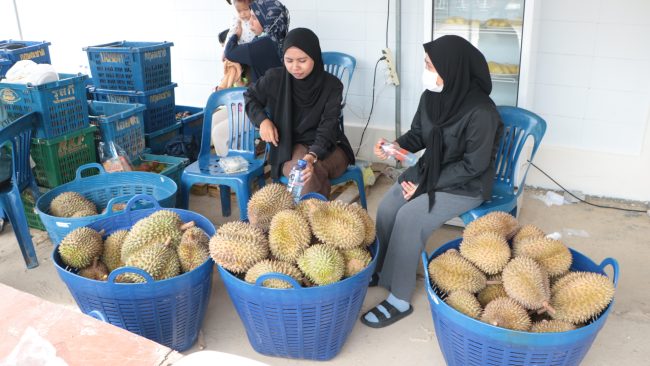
(305,92)
(467,84)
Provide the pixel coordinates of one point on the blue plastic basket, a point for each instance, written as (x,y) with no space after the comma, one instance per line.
(120,123)
(159,102)
(192,124)
(133,66)
(467,341)
(61,104)
(169,312)
(38,52)
(104,190)
(157,141)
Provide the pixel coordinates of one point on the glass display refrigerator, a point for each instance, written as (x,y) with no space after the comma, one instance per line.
(501,29)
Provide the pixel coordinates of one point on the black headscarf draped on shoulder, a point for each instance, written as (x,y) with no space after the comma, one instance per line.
(467,84)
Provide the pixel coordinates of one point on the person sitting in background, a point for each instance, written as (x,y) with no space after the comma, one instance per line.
(304,104)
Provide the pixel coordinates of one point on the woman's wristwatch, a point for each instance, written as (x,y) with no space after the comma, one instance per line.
(314,155)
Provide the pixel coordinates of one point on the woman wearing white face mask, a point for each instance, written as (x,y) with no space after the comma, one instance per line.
(458,127)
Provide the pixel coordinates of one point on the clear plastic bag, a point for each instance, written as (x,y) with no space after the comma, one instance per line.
(113,157)
(233,164)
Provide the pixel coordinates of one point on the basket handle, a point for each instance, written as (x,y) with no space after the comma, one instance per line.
(85,167)
(98,315)
(611,262)
(427,279)
(116,272)
(113,201)
(277,276)
(140,197)
(425,263)
(315,195)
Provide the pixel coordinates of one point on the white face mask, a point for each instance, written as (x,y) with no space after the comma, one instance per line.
(429,79)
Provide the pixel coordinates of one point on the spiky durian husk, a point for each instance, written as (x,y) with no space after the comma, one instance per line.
(582,298)
(289,235)
(551,254)
(112,255)
(551,326)
(84,213)
(498,222)
(507,313)
(237,246)
(80,247)
(155,228)
(158,259)
(451,272)
(267,266)
(488,251)
(370,229)
(67,204)
(527,282)
(334,223)
(465,302)
(561,281)
(193,249)
(491,291)
(526,232)
(356,260)
(308,206)
(266,202)
(96,271)
(322,264)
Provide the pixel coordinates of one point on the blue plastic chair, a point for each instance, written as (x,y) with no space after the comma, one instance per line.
(519,124)
(341,64)
(19,135)
(242,143)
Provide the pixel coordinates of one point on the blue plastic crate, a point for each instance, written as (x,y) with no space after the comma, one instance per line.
(15,51)
(157,141)
(120,123)
(5,65)
(103,189)
(132,66)
(61,104)
(160,104)
(467,341)
(169,312)
(192,124)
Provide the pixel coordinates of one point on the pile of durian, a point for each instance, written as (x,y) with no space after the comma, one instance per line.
(315,242)
(160,244)
(74,204)
(517,278)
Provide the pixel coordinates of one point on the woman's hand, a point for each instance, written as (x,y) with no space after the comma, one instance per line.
(309,169)
(379,152)
(268,132)
(408,189)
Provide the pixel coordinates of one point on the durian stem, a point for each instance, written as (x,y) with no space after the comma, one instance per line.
(168,240)
(101,232)
(187,225)
(493,282)
(546,308)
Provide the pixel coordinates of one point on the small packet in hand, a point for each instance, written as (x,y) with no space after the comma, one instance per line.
(233,164)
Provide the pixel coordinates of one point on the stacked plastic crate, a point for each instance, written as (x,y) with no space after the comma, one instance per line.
(12,51)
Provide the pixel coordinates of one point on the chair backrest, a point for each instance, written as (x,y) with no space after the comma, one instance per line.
(518,125)
(19,135)
(337,63)
(241,130)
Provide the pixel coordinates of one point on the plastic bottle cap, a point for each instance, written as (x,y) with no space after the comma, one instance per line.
(302,164)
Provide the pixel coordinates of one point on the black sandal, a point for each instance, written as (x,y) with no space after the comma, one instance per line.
(395,315)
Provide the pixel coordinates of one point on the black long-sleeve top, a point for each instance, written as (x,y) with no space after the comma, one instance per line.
(260,54)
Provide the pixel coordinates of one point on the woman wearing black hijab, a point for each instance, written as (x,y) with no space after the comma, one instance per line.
(303,102)
(459,128)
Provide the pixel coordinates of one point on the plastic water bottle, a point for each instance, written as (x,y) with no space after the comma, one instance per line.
(407,158)
(295,179)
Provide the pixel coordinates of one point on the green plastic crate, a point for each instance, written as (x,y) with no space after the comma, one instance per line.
(29,202)
(173,170)
(57,159)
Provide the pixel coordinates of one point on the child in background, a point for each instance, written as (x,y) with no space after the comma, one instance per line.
(232,71)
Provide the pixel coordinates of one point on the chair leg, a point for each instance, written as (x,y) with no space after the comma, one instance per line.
(243,193)
(224,191)
(362,191)
(183,197)
(15,210)
(261,181)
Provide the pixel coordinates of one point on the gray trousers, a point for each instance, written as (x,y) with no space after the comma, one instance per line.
(403,229)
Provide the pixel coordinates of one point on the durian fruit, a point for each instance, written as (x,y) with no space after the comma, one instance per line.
(193,249)
(267,266)
(335,223)
(158,259)
(489,251)
(112,255)
(465,302)
(561,281)
(551,254)
(356,260)
(67,204)
(370,229)
(491,291)
(116,207)
(155,228)
(307,206)
(527,282)
(237,246)
(505,312)
(265,203)
(451,272)
(499,222)
(80,247)
(526,232)
(582,297)
(322,264)
(289,235)
(551,326)
(96,271)
(84,213)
